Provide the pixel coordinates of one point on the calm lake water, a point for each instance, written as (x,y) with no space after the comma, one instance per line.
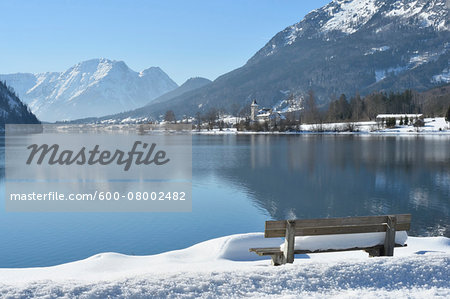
(241,181)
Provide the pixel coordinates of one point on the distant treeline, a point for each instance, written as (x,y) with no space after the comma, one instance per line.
(432,103)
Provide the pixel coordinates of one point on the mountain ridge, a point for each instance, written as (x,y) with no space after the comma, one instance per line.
(188,85)
(381,49)
(89,88)
(339,16)
(143,114)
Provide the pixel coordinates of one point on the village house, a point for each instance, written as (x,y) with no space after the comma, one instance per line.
(412,118)
(264,114)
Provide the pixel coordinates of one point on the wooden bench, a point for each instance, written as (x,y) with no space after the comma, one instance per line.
(330,226)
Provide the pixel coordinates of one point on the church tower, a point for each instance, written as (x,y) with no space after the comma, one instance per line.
(254,110)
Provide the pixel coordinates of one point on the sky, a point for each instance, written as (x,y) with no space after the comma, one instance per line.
(205,38)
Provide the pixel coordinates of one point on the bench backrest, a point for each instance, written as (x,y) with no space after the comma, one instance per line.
(331,226)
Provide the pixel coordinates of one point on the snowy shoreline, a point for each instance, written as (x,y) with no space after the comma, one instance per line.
(433,126)
(224,267)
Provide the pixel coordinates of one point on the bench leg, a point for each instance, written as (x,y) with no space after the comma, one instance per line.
(278,259)
(289,242)
(389,241)
(373,252)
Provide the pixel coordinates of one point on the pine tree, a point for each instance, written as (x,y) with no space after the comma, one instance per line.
(390,122)
(345,111)
(447,115)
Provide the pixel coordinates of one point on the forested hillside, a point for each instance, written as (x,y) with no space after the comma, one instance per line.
(12,110)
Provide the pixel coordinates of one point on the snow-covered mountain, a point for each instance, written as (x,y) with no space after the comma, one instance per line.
(346,46)
(345,17)
(12,110)
(91,88)
(143,114)
(189,85)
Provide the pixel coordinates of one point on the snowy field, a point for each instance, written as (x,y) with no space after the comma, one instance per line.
(436,125)
(223,267)
(433,126)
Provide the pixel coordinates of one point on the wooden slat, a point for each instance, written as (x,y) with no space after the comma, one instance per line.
(281,224)
(266,250)
(331,230)
(349,229)
(275,229)
(334,230)
(347,249)
(276,250)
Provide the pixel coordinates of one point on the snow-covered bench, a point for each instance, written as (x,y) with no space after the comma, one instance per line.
(374,234)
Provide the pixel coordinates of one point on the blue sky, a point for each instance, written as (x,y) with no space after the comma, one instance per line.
(184,38)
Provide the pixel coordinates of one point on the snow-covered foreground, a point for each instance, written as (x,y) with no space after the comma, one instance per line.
(223,267)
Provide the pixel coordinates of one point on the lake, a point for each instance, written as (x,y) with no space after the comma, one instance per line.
(240,181)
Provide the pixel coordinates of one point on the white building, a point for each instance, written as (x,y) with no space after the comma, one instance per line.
(264,114)
(399,116)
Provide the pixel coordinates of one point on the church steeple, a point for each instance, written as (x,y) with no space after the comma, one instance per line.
(254,110)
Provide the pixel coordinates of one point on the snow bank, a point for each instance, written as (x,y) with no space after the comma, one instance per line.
(223,267)
(314,243)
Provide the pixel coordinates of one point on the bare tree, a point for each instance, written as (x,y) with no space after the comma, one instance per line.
(245,112)
(311,114)
(211,117)
(357,107)
(170,116)
(198,118)
(235,111)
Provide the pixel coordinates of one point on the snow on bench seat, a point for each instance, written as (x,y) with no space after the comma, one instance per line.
(344,241)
